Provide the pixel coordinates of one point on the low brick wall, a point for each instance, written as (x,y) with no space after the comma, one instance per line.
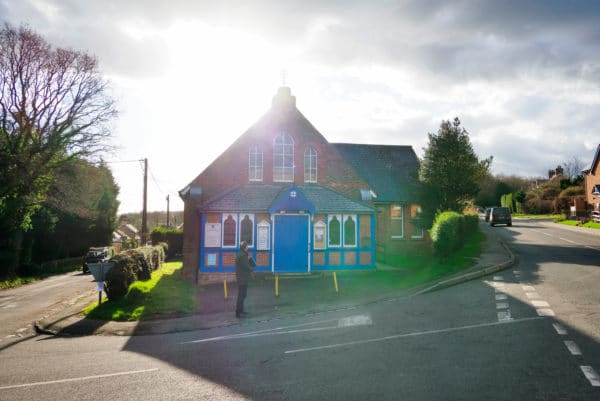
(211,278)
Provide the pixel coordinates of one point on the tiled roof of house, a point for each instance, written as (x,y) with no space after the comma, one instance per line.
(259,198)
(388,169)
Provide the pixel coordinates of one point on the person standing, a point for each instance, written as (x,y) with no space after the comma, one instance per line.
(242,276)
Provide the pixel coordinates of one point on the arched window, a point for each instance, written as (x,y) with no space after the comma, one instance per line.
(349,231)
(255,164)
(247,230)
(283,159)
(229,230)
(310,165)
(335,233)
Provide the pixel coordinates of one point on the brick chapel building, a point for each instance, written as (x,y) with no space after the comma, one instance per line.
(301,203)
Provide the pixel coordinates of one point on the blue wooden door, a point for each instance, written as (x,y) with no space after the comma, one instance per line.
(291,243)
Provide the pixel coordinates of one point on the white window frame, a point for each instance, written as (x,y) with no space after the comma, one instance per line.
(237,231)
(310,153)
(261,226)
(401,219)
(353,217)
(320,224)
(339,218)
(282,172)
(251,217)
(255,163)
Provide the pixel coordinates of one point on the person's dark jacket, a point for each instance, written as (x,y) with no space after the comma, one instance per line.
(242,267)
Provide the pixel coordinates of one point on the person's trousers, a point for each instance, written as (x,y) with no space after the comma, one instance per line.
(242,290)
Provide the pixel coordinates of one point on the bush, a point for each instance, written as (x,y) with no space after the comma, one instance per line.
(132,265)
(120,276)
(471,223)
(447,233)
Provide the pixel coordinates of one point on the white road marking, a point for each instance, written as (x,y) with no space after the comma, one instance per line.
(545,312)
(360,320)
(497,284)
(594,248)
(516,271)
(528,288)
(591,375)
(9,306)
(498,278)
(414,334)
(531,295)
(504,316)
(540,304)
(131,372)
(560,330)
(567,240)
(500,297)
(572,347)
(501,305)
(351,321)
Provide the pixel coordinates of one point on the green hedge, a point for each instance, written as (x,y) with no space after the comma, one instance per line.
(172,237)
(450,230)
(132,265)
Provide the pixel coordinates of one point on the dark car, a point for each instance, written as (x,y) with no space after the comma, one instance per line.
(95,255)
(500,215)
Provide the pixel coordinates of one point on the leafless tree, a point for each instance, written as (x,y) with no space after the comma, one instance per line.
(572,167)
(54,105)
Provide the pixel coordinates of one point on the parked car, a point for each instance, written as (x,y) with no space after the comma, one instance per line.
(500,215)
(95,255)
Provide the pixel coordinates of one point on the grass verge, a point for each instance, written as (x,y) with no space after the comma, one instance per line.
(575,223)
(164,295)
(414,269)
(539,216)
(18,281)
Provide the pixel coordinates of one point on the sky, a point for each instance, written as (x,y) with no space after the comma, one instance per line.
(190,76)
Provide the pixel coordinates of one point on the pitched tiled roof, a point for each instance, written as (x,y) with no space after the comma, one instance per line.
(388,169)
(258,198)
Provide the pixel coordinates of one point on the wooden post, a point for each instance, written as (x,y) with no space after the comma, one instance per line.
(277,285)
(225,288)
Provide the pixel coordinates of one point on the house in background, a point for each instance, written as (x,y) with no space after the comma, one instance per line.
(591,184)
(301,203)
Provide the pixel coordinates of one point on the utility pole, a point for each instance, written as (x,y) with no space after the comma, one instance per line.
(167,211)
(145,210)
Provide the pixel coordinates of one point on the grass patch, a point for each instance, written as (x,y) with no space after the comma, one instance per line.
(539,216)
(164,295)
(575,223)
(4,284)
(414,269)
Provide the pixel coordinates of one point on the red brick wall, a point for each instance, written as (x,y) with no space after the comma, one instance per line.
(591,179)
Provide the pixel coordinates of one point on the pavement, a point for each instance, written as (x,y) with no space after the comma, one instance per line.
(298,295)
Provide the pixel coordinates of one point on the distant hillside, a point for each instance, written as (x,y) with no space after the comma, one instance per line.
(154,219)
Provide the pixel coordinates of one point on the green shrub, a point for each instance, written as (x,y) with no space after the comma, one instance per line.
(471,223)
(120,276)
(447,233)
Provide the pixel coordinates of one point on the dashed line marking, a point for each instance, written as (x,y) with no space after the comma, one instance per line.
(560,330)
(572,347)
(504,316)
(497,284)
(501,305)
(501,297)
(591,247)
(545,312)
(499,278)
(531,295)
(528,288)
(516,271)
(591,375)
(567,240)
(540,304)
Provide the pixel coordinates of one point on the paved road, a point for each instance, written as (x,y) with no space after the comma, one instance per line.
(522,334)
(20,307)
